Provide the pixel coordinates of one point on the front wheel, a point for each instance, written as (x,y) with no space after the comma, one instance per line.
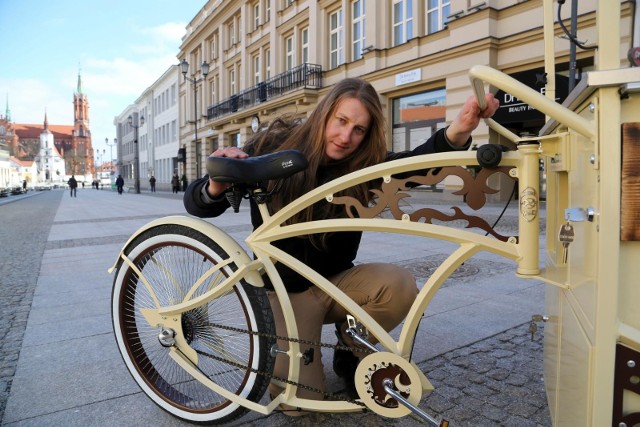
(231,334)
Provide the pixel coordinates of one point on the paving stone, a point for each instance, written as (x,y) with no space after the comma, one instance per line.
(494,381)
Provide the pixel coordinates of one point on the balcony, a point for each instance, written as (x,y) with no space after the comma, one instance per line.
(302,76)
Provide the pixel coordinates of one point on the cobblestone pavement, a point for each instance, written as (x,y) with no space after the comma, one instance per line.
(25,222)
(494,381)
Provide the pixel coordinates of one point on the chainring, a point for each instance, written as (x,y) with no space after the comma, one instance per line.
(369,377)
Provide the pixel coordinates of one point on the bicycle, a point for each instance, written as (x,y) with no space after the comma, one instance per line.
(190,313)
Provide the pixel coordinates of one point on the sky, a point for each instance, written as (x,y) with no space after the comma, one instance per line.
(119,47)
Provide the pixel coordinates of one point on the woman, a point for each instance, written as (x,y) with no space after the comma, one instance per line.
(345,132)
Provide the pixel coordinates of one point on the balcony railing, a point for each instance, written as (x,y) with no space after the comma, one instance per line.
(305,75)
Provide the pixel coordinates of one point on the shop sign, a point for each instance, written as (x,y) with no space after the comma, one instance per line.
(409,77)
(514,110)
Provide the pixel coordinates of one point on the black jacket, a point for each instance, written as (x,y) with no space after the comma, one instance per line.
(342,247)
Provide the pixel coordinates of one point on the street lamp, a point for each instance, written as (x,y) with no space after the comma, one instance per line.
(113,144)
(136,172)
(100,160)
(184,67)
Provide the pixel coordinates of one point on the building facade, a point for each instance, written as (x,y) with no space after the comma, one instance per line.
(272,57)
(156,115)
(22,170)
(8,139)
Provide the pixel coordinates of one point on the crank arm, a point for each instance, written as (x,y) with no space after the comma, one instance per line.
(388,387)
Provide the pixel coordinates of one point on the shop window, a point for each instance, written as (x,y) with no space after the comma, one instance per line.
(416,117)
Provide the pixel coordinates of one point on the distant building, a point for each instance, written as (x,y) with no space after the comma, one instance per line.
(22,170)
(153,144)
(8,138)
(57,150)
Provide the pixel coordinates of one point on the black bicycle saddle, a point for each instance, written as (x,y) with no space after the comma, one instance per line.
(251,170)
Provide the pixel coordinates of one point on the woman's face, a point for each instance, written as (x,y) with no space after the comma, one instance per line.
(346,128)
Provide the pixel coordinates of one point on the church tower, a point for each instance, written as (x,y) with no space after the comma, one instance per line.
(80,159)
(80,111)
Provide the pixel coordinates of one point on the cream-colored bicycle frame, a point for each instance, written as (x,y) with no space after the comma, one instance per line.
(581,335)
(524,251)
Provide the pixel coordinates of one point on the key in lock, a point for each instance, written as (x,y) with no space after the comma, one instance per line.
(566,236)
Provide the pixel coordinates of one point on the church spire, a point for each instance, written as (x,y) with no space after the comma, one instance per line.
(79,90)
(46,120)
(7,114)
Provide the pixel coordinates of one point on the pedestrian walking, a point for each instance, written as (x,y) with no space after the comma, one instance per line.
(73,185)
(175,183)
(152,183)
(119,184)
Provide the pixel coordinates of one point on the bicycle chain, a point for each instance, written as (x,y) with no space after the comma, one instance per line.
(326,395)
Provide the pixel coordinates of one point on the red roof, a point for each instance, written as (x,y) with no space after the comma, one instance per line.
(60,132)
(24,163)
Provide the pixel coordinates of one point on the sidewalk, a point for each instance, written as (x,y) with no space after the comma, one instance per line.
(473,343)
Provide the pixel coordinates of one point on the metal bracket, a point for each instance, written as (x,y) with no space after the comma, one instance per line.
(579,214)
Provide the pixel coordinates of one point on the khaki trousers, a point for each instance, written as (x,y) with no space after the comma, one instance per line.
(384,291)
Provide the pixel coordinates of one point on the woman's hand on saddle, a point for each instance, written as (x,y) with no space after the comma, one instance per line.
(468,118)
(216,188)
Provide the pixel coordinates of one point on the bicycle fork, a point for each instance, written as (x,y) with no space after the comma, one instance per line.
(359,334)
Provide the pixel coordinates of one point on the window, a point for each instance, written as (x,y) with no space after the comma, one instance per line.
(214,46)
(357,30)
(256,69)
(232,81)
(335,39)
(256,16)
(267,61)
(416,117)
(437,13)
(402,21)
(234,140)
(288,47)
(267,11)
(231,29)
(304,36)
(214,83)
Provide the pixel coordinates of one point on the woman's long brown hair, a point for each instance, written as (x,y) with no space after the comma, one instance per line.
(309,138)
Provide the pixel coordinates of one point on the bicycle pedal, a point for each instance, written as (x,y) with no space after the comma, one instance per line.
(357,327)
(359,333)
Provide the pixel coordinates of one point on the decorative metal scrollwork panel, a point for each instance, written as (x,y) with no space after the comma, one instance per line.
(388,197)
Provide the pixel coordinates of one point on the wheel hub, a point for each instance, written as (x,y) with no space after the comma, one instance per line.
(167,337)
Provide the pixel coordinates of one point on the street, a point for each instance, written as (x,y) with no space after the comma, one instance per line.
(60,364)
